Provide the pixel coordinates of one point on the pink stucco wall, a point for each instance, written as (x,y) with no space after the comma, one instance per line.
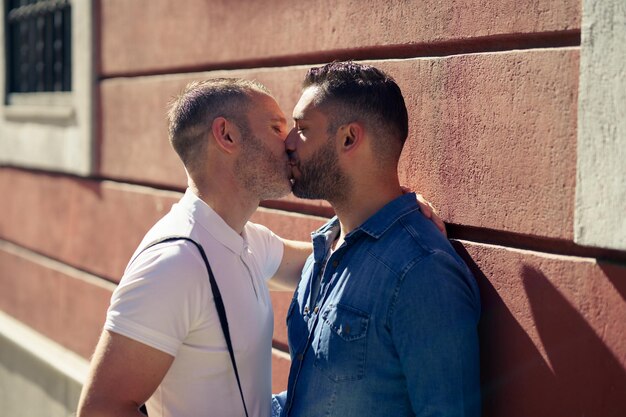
(492,97)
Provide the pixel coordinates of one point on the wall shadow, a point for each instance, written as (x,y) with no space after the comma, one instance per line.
(587,376)
(574,375)
(616,274)
(516,380)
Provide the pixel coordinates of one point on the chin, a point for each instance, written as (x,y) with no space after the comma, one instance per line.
(300,193)
(279,191)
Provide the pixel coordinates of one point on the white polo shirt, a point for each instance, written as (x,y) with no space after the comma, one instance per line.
(164,300)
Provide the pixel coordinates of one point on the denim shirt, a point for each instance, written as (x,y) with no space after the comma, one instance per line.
(392,328)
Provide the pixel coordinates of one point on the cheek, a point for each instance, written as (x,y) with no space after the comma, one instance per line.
(280,146)
(309,147)
(278,149)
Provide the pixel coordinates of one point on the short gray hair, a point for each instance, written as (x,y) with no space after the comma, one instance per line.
(192,112)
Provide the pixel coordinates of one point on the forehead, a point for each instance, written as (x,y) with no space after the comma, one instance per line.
(264,106)
(306,106)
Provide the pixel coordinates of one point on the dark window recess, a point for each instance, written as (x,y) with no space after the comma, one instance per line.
(38,45)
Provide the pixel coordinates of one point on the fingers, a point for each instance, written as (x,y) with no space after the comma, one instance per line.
(440,225)
(425,206)
(431,213)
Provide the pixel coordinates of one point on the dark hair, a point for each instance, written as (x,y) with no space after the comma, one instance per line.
(191,114)
(362,92)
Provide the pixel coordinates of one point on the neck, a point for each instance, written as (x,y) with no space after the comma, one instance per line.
(227,199)
(363,202)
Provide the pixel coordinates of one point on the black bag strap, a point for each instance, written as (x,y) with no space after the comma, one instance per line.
(217,296)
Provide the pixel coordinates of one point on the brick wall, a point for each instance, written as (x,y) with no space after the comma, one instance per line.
(492,96)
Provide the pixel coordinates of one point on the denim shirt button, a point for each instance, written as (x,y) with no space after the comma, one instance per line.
(316,309)
(335,263)
(306,310)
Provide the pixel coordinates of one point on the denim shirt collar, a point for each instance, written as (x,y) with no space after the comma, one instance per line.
(375,226)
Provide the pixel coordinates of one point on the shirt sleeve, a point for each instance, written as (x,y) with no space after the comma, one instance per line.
(160,296)
(266,247)
(434,330)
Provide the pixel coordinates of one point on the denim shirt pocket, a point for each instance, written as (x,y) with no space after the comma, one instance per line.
(342,343)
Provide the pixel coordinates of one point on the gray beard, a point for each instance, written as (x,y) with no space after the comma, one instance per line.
(260,172)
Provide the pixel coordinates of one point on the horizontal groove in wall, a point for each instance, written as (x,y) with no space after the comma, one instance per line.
(280,346)
(486,44)
(282,352)
(95,178)
(133,182)
(281,205)
(300,208)
(58,265)
(532,243)
(472,234)
(290,206)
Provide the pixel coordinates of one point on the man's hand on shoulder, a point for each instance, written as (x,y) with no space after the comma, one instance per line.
(428,210)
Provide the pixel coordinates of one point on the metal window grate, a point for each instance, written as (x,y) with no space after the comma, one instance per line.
(38,45)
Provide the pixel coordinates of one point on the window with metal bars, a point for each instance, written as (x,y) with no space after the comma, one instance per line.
(38,45)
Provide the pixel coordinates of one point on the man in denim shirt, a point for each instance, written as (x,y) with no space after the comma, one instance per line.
(384,320)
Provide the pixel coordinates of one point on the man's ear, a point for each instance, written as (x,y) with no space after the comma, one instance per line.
(351,136)
(225,134)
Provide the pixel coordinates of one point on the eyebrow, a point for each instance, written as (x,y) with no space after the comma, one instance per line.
(279,119)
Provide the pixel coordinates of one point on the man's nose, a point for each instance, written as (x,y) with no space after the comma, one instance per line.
(291,141)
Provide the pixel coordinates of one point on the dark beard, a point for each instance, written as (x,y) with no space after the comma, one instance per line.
(321,177)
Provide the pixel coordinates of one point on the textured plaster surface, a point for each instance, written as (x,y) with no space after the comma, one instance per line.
(552,333)
(203,33)
(96,226)
(492,138)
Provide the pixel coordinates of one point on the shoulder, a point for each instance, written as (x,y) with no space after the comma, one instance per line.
(400,246)
(438,282)
(255,230)
(169,264)
(168,252)
(260,237)
(411,239)
(265,247)
(441,278)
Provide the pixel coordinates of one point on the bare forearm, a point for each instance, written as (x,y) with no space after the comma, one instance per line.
(294,256)
(106,409)
(123,375)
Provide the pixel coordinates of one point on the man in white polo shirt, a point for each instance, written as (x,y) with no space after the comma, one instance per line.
(162,342)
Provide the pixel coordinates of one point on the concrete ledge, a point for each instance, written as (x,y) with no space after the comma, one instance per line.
(37,376)
(601,173)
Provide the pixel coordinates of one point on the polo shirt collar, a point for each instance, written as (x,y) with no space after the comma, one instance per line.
(204,215)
